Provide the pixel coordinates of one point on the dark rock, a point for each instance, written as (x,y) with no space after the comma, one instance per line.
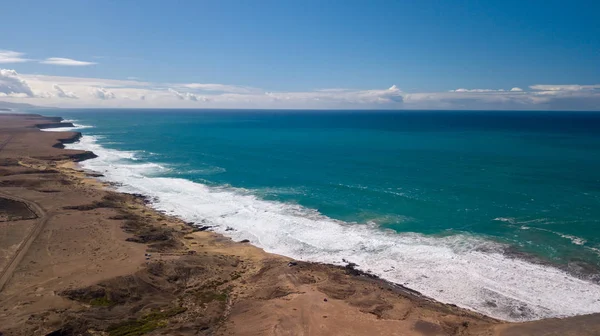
(245,241)
(351,269)
(76,136)
(142,198)
(490,303)
(154,236)
(59,332)
(78,157)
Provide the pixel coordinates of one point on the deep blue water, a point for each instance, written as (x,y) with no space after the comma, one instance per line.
(527,180)
(429,172)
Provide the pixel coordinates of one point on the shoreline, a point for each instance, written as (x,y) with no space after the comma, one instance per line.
(350,266)
(481,277)
(196,227)
(335,298)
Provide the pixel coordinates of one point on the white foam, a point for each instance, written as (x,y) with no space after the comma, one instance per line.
(280,191)
(464,270)
(506,220)
(67,129)
(574,239)
(205,171)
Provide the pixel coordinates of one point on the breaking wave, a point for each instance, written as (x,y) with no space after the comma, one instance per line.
(461,269)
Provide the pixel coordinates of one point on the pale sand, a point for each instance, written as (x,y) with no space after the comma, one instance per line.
(80,274)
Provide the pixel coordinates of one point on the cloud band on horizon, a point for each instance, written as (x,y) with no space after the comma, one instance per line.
(63,91)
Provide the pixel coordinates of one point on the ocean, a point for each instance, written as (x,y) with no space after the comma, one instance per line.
(498,212)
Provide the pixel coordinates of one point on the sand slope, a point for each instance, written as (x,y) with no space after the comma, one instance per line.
(85,270)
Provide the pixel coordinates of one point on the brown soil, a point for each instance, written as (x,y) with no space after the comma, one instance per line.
(88,271)
(11,210)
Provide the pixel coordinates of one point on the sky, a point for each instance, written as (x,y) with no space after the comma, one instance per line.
(328,54)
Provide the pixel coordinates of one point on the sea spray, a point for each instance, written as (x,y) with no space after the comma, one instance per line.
(408,197)
(453,269)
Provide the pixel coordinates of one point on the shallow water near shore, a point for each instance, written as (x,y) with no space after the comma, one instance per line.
(431,200)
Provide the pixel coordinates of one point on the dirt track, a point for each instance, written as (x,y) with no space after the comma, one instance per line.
(8,270)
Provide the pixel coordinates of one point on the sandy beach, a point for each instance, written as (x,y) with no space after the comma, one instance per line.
(79,259)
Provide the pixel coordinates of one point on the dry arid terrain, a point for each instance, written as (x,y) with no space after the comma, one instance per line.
(79,259)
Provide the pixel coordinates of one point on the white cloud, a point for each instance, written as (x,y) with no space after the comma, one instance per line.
(96,92)
(187,96)
(334,90)
(86,82)
(337,98)
(393,94)
(218,88)
(11,84)
(177,94)
(64,94)
(572,87)
(8,56)
(476,90)
(102,93)
(544,97)
(65,61)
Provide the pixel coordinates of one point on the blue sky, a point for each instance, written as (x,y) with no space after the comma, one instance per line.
(295,47)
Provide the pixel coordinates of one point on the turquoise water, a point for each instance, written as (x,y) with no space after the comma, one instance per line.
(510,190)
